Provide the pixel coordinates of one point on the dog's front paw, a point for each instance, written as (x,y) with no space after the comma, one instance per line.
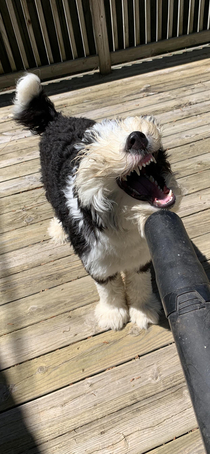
(145,315)
(111,317)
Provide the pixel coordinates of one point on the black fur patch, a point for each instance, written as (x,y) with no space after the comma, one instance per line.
(163,164)
(105,281)
(37,114)
(144,268)
(57,155)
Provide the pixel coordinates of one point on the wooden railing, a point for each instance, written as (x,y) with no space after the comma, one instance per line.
(54,38)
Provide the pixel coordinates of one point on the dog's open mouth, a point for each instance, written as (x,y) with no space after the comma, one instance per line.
(146,183)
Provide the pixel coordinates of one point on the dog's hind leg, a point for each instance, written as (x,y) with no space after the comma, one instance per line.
(56,232)
(111,311)
(144,306)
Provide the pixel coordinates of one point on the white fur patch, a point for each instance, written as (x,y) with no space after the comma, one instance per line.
(27,88)
(112,312)
(132,299)
(144,307)
(56,232)
(106,158)
(72,202)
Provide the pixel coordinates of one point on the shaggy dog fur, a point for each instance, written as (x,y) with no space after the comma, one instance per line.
(103,181)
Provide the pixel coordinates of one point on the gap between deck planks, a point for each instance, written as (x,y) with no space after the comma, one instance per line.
(137,400)
(190,184)
(166,119)
(31,167)
(139,105)
(41,254)
(57,272)
(185,74)
(189,148)
(174,77)
(22,183)
(187,444)
(196,94)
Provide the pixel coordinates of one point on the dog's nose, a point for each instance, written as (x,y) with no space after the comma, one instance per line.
(136,141)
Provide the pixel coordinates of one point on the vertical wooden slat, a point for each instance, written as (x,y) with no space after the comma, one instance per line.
(44,32)
(17,33)
(180,19)
(58,29)
(208,22)
(125,23)
(101,35)
(114,26)
(30,32)
(170,18)
(7,44)
(147,21)
(191,11)
(200,15)
(136,13)
(159,6)
(1,68)
(83,27)
(70,28)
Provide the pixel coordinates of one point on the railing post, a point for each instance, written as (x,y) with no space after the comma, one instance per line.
(101,35)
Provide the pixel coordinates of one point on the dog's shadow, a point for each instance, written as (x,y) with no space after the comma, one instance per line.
(163,321)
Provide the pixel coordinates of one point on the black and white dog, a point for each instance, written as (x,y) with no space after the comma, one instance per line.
(103,181)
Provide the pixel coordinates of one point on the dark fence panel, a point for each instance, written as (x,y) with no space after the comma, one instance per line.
(58,37)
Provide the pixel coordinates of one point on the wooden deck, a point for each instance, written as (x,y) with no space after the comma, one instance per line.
(66,387)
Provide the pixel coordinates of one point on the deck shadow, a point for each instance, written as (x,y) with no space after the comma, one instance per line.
(119,72)
(15,437)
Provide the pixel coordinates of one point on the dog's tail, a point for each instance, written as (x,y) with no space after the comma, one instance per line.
(32,108)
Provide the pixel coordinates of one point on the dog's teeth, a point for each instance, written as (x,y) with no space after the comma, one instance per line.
(154,160)
(151,179)
(148,162)
(140,167)
(144,165)
(137,171)
(156,183)
(125,178)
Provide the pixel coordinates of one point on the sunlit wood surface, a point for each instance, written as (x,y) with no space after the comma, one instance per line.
(66,387)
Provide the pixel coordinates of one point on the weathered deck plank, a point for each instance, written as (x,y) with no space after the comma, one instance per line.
(49,339)
(19,145)
(85,358)
(139,389)
(15,239)
(150,102)
(41,306)
(18,156)
(187,444)
(40,278)
(174,77)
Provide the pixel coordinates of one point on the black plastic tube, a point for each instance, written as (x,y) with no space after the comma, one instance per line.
(185,293)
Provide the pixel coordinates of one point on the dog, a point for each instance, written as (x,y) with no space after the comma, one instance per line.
(103,180)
